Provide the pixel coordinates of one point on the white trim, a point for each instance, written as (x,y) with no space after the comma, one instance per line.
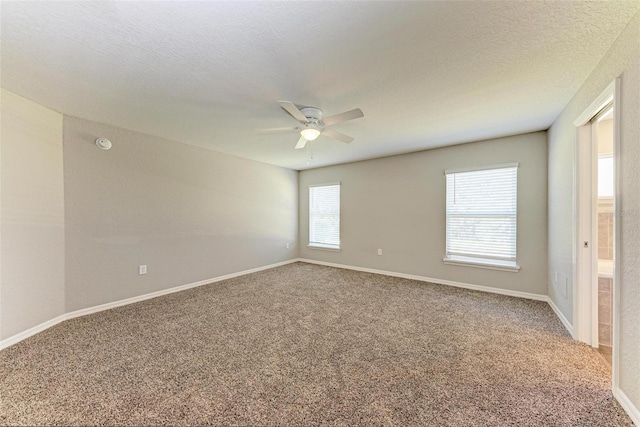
(584,260)
(606,113)
(90,310)
(593,262)
(627,405)
(481,168)
(620,396)
(132,300)
(574,238)
(482,264)
(31,331)
(561,316)
(617,237)
(324,248)
(519,294)
(325,185)
(596,105)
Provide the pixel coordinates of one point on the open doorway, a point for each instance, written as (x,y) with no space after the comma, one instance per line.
(604,244)
(596,236)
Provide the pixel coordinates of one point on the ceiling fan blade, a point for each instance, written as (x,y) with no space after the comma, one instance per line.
(337,135)
(293,110)
(277,130)
(301,143)
(343,117)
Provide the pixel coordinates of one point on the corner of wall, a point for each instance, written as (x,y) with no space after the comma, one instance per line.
(32,215)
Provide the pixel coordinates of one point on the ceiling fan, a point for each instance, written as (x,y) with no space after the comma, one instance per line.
(312,124)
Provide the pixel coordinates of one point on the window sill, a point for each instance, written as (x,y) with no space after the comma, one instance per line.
(482,263)
(321,247)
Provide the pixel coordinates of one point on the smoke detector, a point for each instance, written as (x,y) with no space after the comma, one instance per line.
(103,143)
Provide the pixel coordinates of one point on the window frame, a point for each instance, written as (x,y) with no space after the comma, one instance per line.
(320,245)
(487,262)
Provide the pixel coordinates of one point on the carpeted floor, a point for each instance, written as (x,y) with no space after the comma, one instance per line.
(306,345)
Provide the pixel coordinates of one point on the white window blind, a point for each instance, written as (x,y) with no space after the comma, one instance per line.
(482,214)
(324,216)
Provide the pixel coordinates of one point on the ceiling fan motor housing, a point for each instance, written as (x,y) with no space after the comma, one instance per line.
(312,113)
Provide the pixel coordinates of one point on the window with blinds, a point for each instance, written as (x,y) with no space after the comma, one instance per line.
(324,216)
(482,216)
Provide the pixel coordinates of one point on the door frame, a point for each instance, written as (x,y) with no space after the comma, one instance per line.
(585,259)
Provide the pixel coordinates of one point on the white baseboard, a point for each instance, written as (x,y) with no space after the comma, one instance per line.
(622,398)
(508,292)
(31,331)
(89,310)
(519,294)
(561,316)
(627,405)
(86,311)
(107,306)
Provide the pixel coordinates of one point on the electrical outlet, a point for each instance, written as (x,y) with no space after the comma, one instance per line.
(142,269)
(287,245)
(379,251)
(555,277)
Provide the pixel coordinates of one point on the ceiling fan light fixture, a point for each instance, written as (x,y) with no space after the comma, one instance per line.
(310,134)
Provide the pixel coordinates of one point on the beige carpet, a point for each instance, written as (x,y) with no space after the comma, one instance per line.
(307,345)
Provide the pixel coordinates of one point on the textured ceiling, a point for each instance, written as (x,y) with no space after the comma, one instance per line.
(426,74)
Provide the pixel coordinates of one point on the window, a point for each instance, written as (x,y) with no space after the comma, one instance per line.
(482,216)
(324,216)
(605,176)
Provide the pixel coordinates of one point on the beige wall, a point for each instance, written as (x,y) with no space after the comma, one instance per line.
(398,204)
(623,59)
(32,215)
(188,213)
(605,136)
